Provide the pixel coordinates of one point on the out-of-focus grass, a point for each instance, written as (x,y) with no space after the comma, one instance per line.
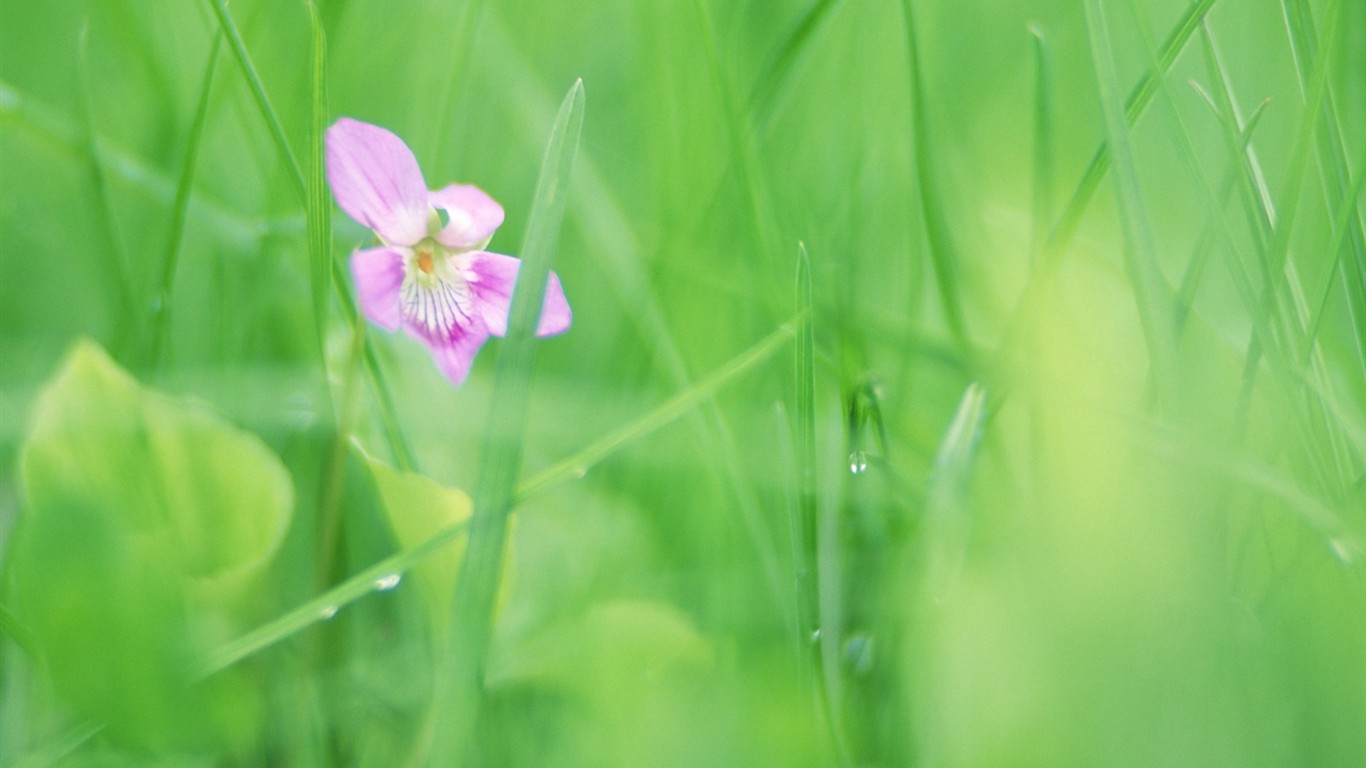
(1077,440)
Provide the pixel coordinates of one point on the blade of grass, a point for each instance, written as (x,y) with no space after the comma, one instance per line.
(460,682)
(398,445)
(328,603)
(1043,140)
(462,34)
(944,254)
(55,753)
(1150,289)
(741,136)
(16,631)
(258,92)
(579,463)
(1134,106)
(319,222)
(116,261)
(946,535)
(1334,176)
(804,557)
(776,82)
(1343,223)
(1217,228)
(29,114)
(1258,206)
(161,304)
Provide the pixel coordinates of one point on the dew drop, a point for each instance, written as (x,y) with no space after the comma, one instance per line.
(858,462)
(388,582)
(328,612)
(580,473)
(815,635)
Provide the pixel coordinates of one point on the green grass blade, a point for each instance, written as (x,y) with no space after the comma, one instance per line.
(1334,176)
(398,445)
(65,746)
(780,75)
(1219,235)
(258,92)
(318,208)
(1150,288)
(327,604)
(161,304)
(116,261)
(582,460)
(16,631)
(944,254)
(946,535)
(804,558)
(1345,220)
(1134,106)
(741,136)
(460,682)
(361,584)
(1043,140)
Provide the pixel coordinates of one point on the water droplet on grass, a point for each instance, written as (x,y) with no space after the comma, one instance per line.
(858,462)
(388,582)
(328,612)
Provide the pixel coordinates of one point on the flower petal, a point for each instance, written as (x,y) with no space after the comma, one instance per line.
(472,215)
(378,273)
(376,180)
(493,281)
(455,354)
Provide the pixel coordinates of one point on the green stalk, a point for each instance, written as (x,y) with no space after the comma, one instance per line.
(944,254)
(161,305)
(1150,289)
(459,681)
(388,415)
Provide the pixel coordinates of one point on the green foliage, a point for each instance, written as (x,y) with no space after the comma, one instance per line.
(147,526)
(1057,456)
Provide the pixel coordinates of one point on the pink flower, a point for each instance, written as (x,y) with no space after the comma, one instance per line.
(430,275)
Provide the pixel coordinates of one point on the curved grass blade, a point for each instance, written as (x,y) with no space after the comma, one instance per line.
(804,557)
(1150,289)
(777,80)
(325,605)
(398,445)
(117,263)
(459,684)
(258,92)
(944,255)
(363,583)
(319,222)
(1134,106)
(1043,139)
(579,463)
(161,304)
(946,523)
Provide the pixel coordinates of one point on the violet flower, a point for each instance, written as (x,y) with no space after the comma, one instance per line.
(430,275)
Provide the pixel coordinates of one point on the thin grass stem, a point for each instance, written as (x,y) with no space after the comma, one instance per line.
(161,304)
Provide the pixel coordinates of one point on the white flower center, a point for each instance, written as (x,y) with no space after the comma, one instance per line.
(435,293)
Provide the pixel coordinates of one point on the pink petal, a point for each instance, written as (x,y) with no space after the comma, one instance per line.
(473,215)
(376,180)
(454,354)
(378,273)
(493,281)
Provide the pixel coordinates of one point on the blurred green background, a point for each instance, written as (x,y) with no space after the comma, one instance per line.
(1081,478)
